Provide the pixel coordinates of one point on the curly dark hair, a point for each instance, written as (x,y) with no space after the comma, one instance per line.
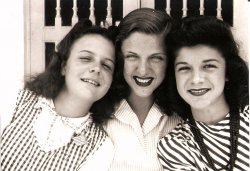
(212,32)
(144,20)
(50,82)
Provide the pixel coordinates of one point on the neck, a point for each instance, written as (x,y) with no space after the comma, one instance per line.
(212,114)
(70,106)
(141,106)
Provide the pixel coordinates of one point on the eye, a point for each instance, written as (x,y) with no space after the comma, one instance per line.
(85,58)
(183,69)
(157,58)
(108,67)
(209,66)
(131,57)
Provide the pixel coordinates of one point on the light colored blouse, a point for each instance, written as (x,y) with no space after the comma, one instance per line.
(37,138)
(179,151)
(135,145)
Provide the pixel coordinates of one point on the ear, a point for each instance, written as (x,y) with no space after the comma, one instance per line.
(63,68)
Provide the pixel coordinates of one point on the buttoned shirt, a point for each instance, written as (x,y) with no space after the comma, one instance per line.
(135,145)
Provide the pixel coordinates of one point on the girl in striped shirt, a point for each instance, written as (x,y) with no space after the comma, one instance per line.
(56,122)
(212,82)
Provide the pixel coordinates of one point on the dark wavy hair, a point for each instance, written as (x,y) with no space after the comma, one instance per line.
(144,20)
(49,83)
(212,32)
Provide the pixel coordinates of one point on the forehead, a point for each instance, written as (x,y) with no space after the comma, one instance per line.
(90,39)
(199,53)
(138,41)
(94,44)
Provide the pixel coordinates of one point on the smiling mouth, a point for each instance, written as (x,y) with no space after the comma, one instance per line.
(143,82)
(91,82)
(198,92)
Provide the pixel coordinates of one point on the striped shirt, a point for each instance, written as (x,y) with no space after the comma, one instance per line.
(23,148)
(179,151)
(135,145)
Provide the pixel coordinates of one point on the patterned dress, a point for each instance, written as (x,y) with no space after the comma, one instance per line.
(21,147)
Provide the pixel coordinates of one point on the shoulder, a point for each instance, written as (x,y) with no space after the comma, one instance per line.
(179,133)
(169,123)
(244,117)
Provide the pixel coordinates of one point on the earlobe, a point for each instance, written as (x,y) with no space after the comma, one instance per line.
(63,70)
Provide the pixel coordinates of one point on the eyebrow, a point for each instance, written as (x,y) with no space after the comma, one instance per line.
(181,63)
(93,53)
(134,53)
(86,51)
(205,61)
(211,60)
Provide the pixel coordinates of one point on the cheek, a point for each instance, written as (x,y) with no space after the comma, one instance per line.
(127,69)
(160,71)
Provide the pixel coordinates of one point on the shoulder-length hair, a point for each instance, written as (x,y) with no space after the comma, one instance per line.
(144,20)
(49,83)
(212,32)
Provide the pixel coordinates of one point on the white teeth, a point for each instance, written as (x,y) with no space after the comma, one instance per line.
(91,82)
(142,80)
(198,92)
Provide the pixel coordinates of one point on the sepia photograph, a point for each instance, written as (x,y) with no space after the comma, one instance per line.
(121,85)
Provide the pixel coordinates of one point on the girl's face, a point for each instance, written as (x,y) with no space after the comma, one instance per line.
(200,73)
(89,69)
(144,62)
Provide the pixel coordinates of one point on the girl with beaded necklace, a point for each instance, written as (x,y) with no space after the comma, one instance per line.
(208,88)
(57,120)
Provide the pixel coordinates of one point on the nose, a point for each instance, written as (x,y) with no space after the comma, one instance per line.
(95,69)
(197,77)
(143,68)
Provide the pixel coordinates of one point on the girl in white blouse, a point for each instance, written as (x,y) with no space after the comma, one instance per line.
(210,92)
(141,116)
(56,121)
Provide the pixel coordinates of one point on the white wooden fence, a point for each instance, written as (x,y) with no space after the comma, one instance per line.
(37,34)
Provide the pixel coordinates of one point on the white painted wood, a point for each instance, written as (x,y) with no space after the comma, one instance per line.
(184,8)
(219,9)
(147,4)
(109,15)
(92,10)
(36,34)
(58,19)
(202,7)
(129,5)
(74,19)
(168,8)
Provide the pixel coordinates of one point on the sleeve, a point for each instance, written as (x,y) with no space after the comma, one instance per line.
(174,154)
(102,158)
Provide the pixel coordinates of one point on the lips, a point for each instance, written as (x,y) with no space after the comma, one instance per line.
(198,92)
(143,82)
(91,82)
